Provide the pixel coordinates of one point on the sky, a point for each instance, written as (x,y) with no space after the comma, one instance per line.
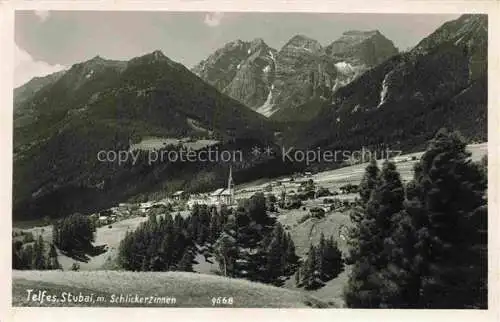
(48,41)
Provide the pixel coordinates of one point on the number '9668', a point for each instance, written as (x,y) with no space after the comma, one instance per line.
(222,301)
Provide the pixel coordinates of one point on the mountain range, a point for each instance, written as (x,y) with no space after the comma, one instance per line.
(273,81)
(105,105)
(441,82)
(358,91)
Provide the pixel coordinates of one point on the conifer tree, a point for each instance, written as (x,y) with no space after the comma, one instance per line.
(369,181)
(186,262)
(292,260)
(297,277)
(17,260)
(333,261)
(275,259)
(310,274)
(145,264)
(27,255)
(367,186)
(55,233)
(226,251)
(369,252)
(215,226)
(39,262)
(438,242)
(320,258)
(451,190)
(53,262)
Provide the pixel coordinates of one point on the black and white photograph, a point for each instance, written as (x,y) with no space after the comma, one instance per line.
(195,159)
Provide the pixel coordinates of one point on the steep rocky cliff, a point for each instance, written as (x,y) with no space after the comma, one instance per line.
(277,84)
(406,99)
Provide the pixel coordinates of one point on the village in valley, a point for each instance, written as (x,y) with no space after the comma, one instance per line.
(287,190)
(306,204)
(283,172)
(324,191)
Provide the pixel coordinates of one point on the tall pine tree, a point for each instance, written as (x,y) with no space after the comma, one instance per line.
(369,181)
(451,191)
(53,262)
(371,248)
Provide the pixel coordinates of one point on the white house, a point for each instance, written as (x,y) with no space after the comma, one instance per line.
(103,220)
(178,195)
(197,200)
(145,206)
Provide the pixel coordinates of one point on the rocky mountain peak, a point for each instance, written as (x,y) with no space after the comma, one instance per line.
(150,58)
(234,45)
(156,55)
(268,81)
(470,30)
(96,58)
(362,47)
(87,70)
(298,42)
(361,33)
(443,80)
(258,42)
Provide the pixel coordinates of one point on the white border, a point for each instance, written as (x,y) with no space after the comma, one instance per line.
(7,313)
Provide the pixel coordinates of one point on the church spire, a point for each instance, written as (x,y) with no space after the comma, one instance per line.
(230,179)
(230,184)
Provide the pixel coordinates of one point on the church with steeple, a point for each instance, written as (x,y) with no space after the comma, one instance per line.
(225,195)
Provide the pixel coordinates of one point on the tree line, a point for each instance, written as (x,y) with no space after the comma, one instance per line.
(254,246)
(74,233)
(166,242)
(34,255)
(323,263)
(422,244)
(247,242)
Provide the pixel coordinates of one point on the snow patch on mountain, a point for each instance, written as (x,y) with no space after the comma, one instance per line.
(345,68)
(273,58)
(266,109)
(89,74)
(298,48)
(384,91)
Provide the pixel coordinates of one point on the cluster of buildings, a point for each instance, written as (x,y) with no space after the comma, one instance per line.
(219,197)
(124,210)
(290,186)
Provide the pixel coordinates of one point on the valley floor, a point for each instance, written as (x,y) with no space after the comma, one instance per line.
(189,290)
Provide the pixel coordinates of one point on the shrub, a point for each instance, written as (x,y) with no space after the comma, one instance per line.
(28,237)
(303,218)
(317,213)
(322,192)
(349,188)
(295,204)
(307,195)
